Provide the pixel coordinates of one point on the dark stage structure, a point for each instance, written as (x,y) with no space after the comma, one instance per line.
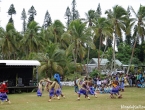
(21,75)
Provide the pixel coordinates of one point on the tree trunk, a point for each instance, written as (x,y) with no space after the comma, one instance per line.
(87,71)
(114,54)
(103,52)
(99,52)
(131,55)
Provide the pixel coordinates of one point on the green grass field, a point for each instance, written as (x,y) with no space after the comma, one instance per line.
(30,101)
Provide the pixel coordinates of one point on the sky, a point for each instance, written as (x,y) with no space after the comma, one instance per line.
(57,8)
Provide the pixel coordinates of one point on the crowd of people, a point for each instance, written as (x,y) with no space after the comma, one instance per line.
(130,80)
(112,84)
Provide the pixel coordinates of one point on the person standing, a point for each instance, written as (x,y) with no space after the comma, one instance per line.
(76,85)
(39,90)
(121,83)
(133,80)
(3,93)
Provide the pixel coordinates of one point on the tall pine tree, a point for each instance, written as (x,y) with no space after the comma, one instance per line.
(23,17)
(98,11)
(47,20)
(11,11)
(75,13)
(73,9)
(32,13)
(68,15)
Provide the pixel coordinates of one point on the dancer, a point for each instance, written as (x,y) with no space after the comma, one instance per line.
(91,88)
(115,89)
(54,88)
(84,89)
(3,93)
(39,90)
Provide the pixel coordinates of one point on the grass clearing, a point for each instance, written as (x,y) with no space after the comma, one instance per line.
(30,101)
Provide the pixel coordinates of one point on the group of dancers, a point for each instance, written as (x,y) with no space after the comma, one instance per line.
(53,87)
(82,87)
(86,87)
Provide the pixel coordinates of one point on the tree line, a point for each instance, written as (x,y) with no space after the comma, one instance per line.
(67,48)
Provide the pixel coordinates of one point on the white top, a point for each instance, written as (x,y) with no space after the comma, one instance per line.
(99,82)
(21,62)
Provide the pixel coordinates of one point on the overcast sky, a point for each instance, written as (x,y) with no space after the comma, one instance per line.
(57,8)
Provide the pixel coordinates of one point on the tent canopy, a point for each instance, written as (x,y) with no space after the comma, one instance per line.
(20,62)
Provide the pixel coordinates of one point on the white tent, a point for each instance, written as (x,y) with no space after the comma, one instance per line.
(20,62)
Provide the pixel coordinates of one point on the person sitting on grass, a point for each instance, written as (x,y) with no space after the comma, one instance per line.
(139,85)
(97,89)
(106,89)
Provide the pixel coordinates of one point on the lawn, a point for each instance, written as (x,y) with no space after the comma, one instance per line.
(30,101)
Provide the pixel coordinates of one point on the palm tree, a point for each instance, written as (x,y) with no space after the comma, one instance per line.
(8,41)
(91,15)
(138,29)
(101,28)
(79,37)
(55,31)
(140,21)
(51,60)
(117,16)
(30,42)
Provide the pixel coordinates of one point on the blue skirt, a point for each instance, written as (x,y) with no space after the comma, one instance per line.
(91,91)
(3,96)
(53,92)
(115,90)
(82,91)
(39,93)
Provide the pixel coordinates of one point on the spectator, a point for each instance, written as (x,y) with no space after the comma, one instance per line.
(130,80)
(133,79)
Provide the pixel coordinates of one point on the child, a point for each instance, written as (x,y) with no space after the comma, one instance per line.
(97,89)
(139,85)
(109,89)
(101,89)
(3,93)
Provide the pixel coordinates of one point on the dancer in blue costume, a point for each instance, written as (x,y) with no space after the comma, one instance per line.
(39,90)
(91,88)
(115,89)
(54,88)
(84,89)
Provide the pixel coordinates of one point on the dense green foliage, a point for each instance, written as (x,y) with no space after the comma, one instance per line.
(65,49)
